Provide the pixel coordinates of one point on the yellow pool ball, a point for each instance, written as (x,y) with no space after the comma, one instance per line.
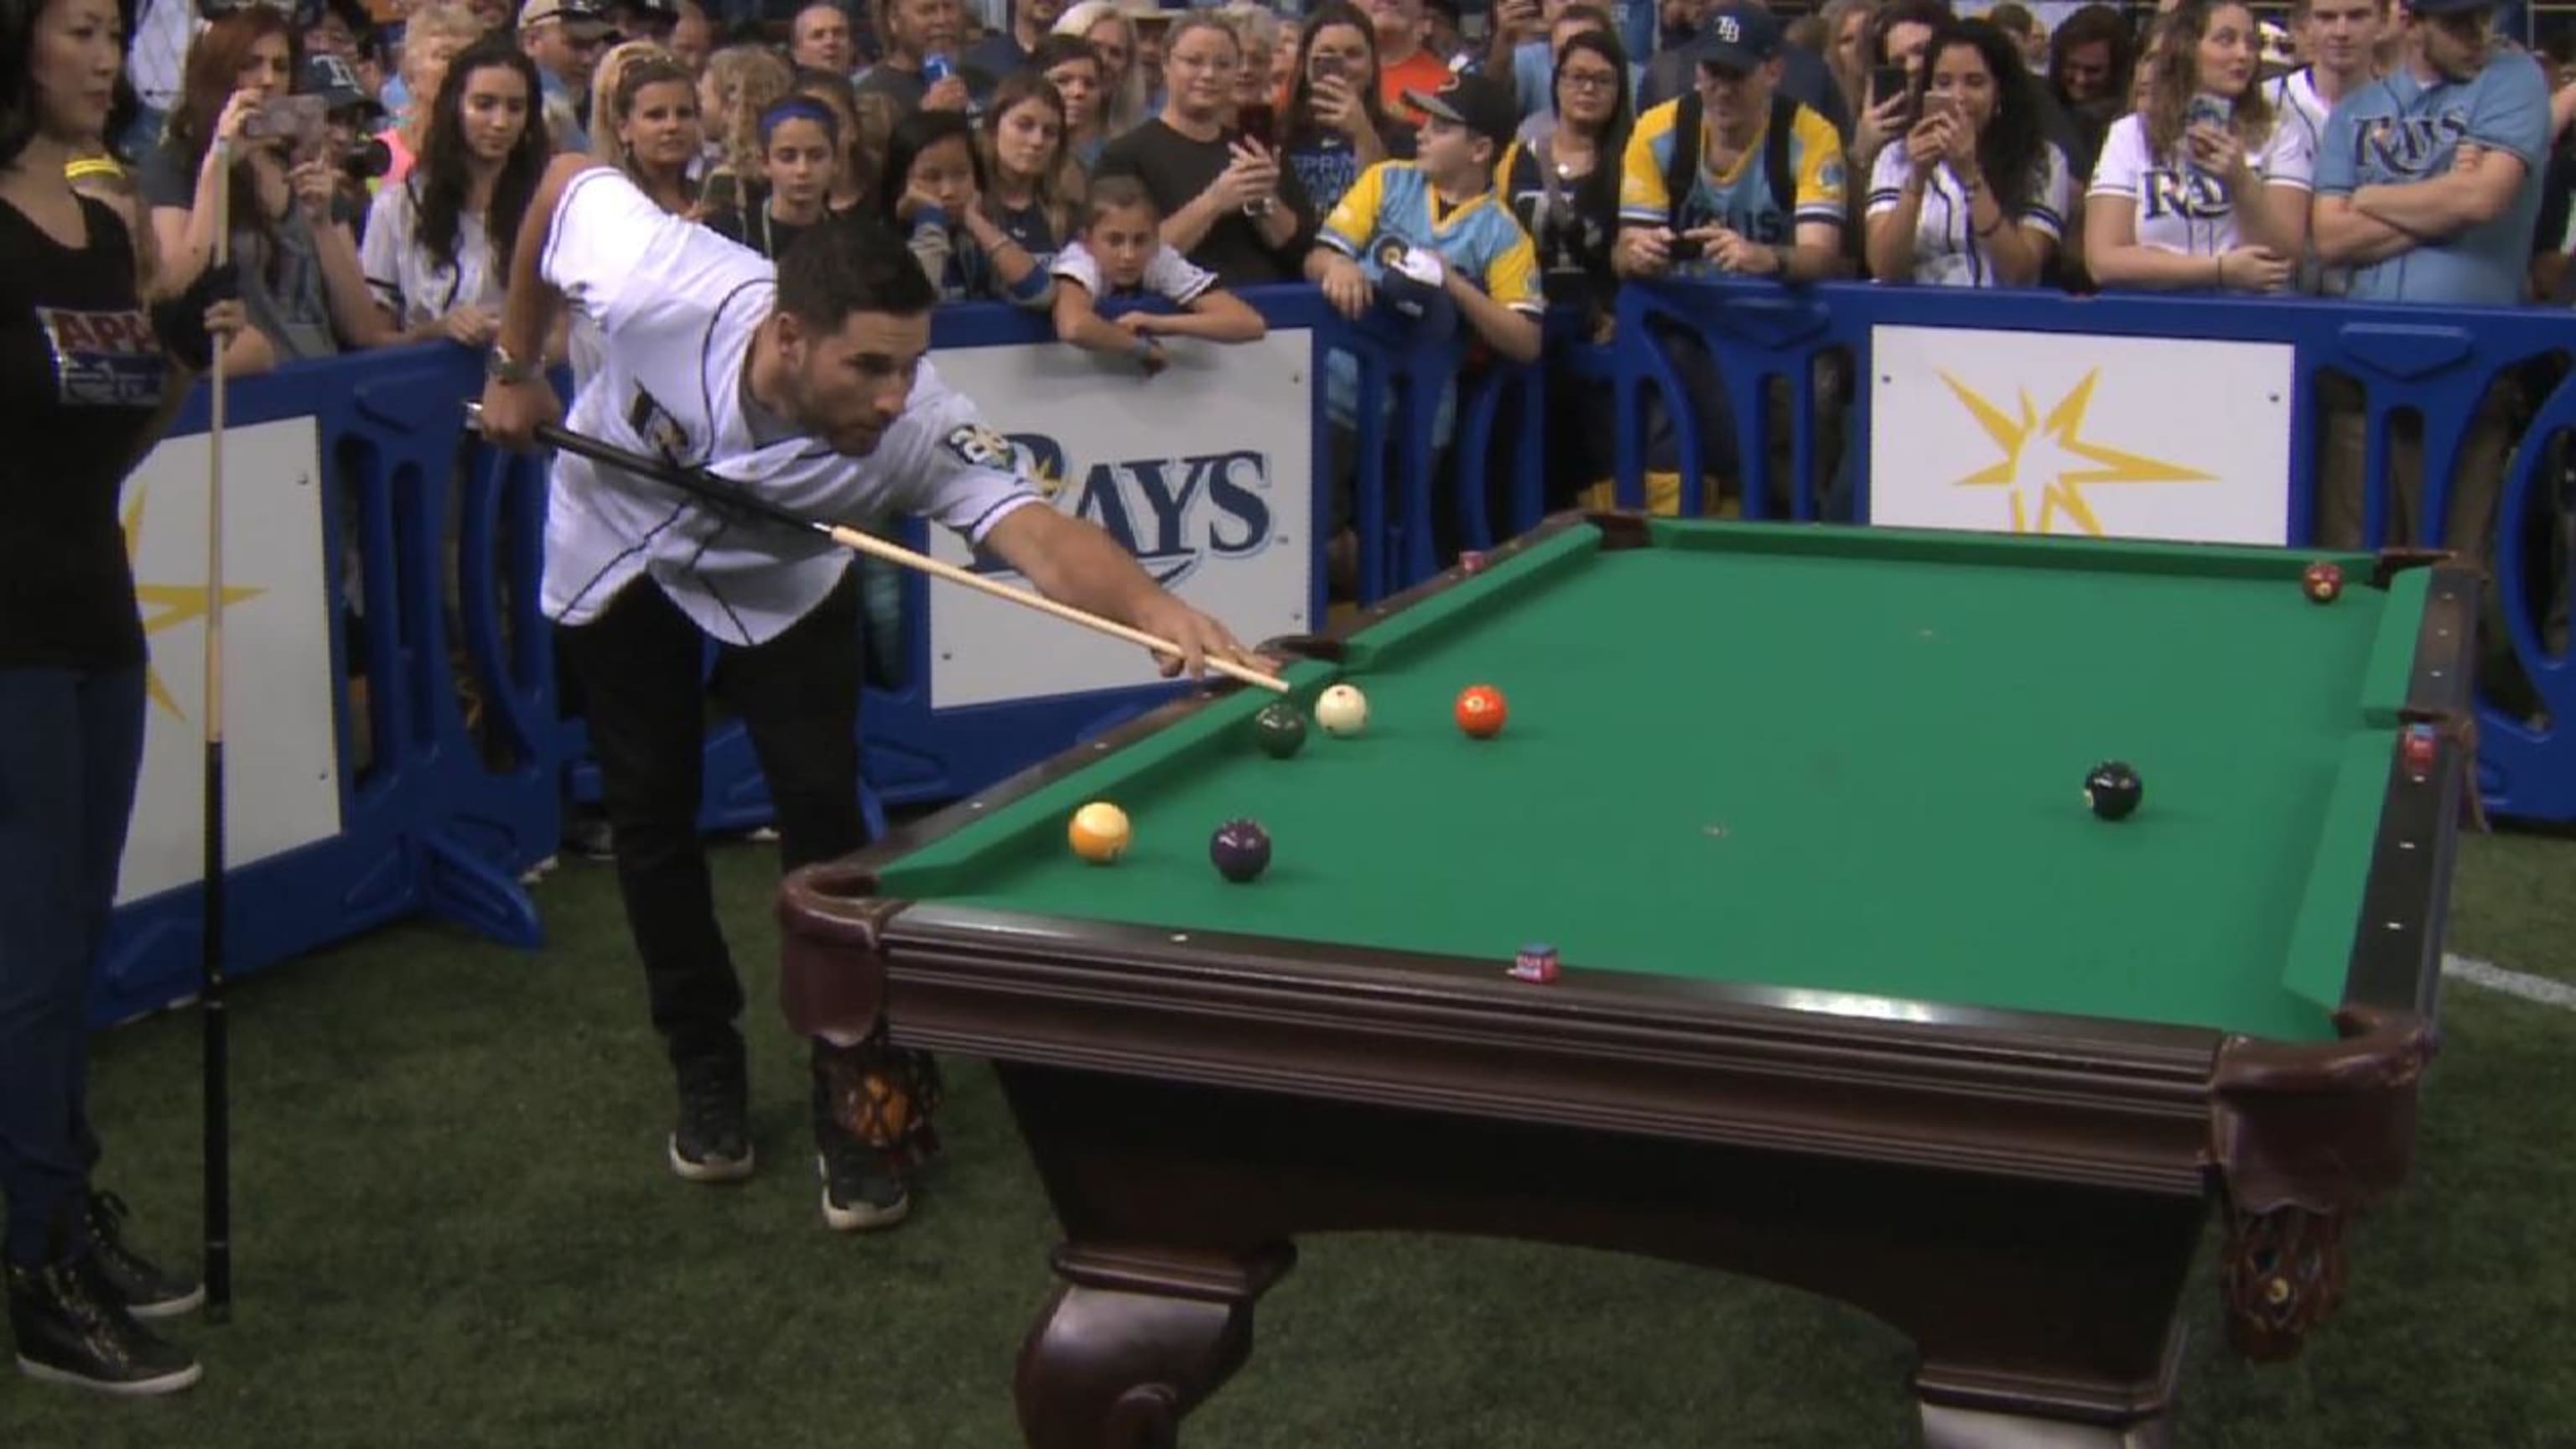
(1100,832)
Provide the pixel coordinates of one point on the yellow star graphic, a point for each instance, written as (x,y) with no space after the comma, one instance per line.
(167,606)
(2064,426)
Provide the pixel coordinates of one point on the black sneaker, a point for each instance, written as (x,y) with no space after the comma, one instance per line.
(145,1288)
(71,1330)
(712,1143)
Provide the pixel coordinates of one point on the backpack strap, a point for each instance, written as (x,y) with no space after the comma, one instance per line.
(1776,170)
(1681,171)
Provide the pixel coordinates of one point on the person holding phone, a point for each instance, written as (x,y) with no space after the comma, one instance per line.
(1336,126)
(1226,202)
(1976,195)
(2204,188)
(291,225)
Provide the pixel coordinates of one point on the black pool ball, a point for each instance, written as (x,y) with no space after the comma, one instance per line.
(2113,790)
(1241,850)
(1280,729)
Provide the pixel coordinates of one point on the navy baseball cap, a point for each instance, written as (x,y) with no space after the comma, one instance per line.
(1479,103)
(1737,37)
(2448,7)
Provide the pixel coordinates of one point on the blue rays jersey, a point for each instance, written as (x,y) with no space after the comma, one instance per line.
(1393,207)
(2398,130)
(1743,199)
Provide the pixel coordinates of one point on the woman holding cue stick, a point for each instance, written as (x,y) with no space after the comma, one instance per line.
(806,385)
(87,385)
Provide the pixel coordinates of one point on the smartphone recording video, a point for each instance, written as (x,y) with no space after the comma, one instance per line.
(1258,124)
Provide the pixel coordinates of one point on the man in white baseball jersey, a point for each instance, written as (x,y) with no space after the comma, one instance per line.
(807,382)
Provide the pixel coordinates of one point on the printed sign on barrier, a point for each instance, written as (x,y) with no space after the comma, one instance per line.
(281,757)
(2113,437)
(1205,473)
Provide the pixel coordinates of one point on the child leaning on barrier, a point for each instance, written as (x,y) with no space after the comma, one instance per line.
(1121,253)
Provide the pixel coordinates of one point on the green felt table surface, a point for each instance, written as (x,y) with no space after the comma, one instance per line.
(1848,761)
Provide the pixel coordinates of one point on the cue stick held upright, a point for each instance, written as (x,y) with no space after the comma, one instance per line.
(217,1086)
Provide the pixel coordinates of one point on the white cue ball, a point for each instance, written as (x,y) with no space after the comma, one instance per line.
(1342,710)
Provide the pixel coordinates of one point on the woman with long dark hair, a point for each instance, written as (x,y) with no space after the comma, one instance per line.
(1564,184)
(297,260)
(1034,184)
(1974,195)
(85,391)
(438,242)
(2202,188)
(1337,126)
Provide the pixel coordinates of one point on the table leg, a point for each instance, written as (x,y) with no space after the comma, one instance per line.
(1134,1340)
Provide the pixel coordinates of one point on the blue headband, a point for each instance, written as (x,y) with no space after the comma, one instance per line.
(800,108)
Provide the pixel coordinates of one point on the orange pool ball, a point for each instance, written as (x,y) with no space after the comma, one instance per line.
(1480,711)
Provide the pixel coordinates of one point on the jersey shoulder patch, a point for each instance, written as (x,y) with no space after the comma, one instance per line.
(978,446)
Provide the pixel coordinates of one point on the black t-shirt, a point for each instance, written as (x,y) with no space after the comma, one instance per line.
(80,375)
(757,229)
(1175,169)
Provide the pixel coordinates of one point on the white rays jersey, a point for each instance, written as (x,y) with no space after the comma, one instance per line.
(675,307)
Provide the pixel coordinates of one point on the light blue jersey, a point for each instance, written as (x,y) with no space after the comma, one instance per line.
(2398,130)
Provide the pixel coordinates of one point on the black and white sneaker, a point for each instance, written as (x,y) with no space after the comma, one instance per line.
(71,1330)
(712,1140)
(859,1192)
(146,1289)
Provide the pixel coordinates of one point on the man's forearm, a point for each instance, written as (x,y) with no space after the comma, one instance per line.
(528,304)
(2426,210)
(1076,563)
(2347,238)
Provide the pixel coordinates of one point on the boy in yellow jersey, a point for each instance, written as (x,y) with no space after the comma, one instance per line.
(1441,202)
(1430,227)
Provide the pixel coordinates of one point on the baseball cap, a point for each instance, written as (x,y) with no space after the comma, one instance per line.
(1479,103)
(331,78)
(1737,37)
(2448,7)
(571,12)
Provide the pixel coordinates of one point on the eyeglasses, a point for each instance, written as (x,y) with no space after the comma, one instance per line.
(1594,81)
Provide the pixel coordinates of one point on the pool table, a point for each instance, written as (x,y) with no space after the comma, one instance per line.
(1857,995)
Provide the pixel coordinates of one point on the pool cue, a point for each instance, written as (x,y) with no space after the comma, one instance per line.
(217,1088)
(723,493)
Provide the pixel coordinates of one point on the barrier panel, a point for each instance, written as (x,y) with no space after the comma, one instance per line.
(2173,417)
(399,744)
(357,795)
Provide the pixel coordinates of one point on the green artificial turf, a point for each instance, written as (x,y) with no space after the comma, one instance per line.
(455,1229)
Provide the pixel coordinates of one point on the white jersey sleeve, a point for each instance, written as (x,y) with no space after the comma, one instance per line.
(646,278)
(943,462)
(1076,264)
(2122,169)
(2289,155)
(1176,277)
(391,223)
(1887,179)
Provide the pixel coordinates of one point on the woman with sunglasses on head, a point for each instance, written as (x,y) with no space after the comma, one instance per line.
(86,389)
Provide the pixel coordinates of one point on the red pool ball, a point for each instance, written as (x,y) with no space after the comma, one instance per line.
(1480,711)
(2323,581)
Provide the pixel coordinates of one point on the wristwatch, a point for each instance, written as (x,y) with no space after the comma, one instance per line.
(501,365)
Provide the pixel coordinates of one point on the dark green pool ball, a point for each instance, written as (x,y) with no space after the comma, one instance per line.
(1280,729)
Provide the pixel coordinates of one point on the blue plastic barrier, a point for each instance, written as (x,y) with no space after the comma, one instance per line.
(425,826)
(2437,363)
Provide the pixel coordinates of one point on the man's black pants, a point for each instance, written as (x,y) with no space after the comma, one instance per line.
(642,667)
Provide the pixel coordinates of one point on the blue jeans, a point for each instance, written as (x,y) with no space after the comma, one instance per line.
(71,747)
